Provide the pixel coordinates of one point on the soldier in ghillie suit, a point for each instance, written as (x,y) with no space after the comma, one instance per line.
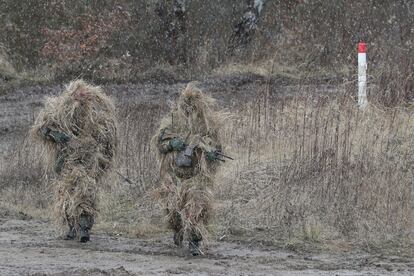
(188,148)
(78,132)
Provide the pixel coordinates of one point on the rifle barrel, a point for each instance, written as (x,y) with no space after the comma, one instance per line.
(225,156)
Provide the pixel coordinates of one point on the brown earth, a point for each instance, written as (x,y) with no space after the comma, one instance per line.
(29,247)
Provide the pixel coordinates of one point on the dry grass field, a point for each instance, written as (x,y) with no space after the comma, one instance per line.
(313,174)
(317,186)
(310,167)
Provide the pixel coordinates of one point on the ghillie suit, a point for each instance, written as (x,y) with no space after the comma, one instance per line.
(78,132)
(187,145)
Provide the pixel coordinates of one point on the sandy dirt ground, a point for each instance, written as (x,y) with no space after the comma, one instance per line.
(30,247)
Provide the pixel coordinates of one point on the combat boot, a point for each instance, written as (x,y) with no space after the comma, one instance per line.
(85,225)
(194,244)
(178,238)
(71,234)
(176,224)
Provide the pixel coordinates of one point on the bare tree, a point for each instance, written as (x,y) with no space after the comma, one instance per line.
(174,28)
(243,31)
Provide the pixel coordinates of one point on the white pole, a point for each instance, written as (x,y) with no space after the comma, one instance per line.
(362,75)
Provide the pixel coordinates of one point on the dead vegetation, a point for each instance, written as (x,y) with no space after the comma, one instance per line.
(310,168)
(125,41)
(309,165)
(317,168)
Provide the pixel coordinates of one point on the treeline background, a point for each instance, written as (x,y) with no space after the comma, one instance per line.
(131,41)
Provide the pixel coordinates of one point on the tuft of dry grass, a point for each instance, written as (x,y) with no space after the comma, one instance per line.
(23,182)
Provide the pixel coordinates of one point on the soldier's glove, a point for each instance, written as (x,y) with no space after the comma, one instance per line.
(59,137)
(55,136)
(177,144)
(44,131)
(212,155)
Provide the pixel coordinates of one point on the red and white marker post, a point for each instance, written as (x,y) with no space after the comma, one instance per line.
(362,75)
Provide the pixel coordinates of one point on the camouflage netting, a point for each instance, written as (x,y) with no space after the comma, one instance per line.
(78,132)
(186,192)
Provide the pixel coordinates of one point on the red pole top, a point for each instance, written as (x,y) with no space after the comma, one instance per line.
(362,47)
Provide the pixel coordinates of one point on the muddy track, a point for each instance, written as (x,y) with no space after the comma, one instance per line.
(30,247)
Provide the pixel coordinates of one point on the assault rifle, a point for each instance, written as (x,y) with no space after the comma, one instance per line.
(218,155)
(186,150)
